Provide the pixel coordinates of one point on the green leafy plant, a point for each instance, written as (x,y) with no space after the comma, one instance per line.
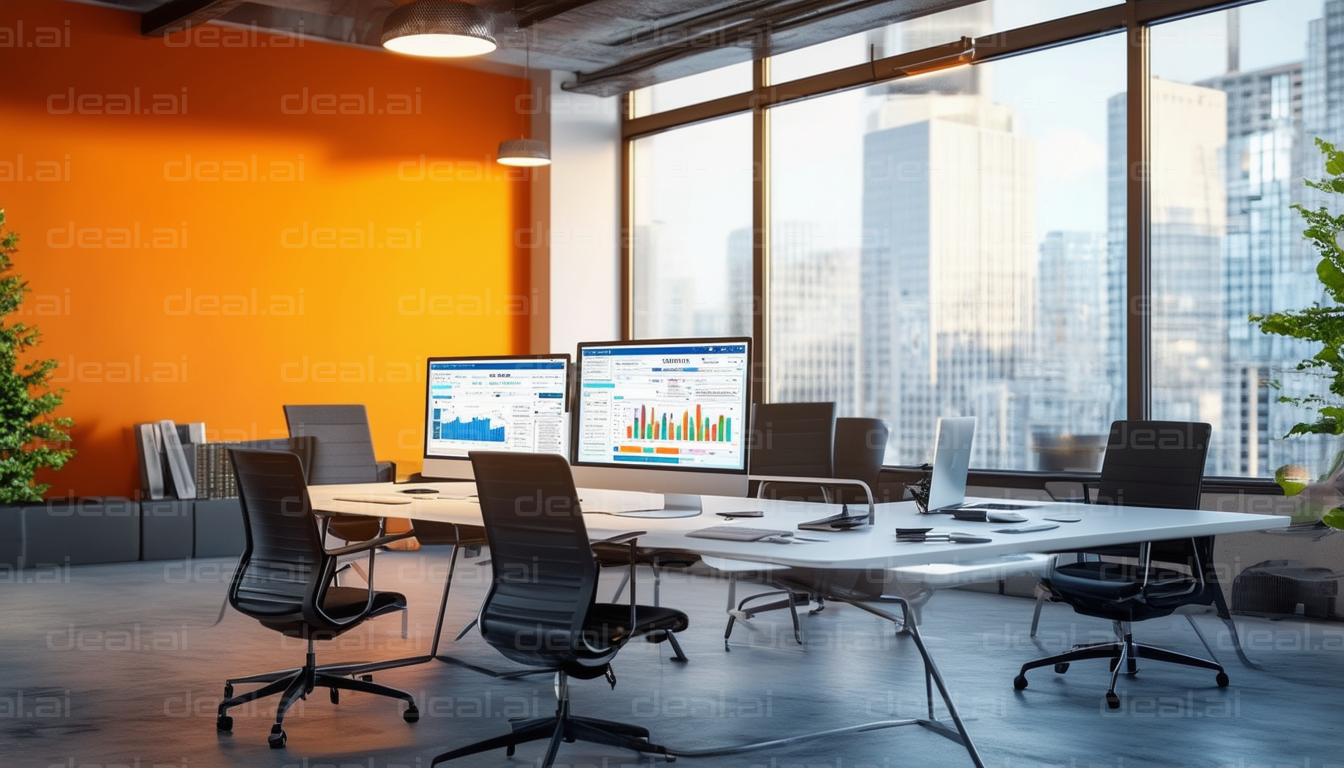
(30,438)
(1321,324)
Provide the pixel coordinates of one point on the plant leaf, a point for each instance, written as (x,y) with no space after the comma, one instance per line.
(1334,518)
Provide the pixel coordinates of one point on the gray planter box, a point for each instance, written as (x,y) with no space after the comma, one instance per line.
(70,532)
(167,529)
(219,528)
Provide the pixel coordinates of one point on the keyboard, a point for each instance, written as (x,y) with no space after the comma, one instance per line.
(738,533)
(373,498)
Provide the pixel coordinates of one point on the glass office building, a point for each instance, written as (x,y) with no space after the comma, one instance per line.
(957,242)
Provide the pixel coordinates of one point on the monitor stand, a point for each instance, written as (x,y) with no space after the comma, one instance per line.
(638,505)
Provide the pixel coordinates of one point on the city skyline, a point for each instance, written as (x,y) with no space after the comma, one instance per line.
(985,317)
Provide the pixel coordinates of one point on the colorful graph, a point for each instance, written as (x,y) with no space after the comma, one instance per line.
(477,430)
(690,425)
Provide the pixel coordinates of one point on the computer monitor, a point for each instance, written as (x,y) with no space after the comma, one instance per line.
(514,403)
(667,416)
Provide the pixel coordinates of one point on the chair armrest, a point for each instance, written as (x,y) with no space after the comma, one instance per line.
(765,480)
(387,471)
(370,544)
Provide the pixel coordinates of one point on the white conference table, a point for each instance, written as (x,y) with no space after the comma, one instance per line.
(873,547)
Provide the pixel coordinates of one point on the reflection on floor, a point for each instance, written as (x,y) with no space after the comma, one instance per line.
(117,666)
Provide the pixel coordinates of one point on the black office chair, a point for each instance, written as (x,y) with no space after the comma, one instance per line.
(284,581)
(343,454)
(793,440)
(541,608)
(860,447)
(1147,464)
(345,444)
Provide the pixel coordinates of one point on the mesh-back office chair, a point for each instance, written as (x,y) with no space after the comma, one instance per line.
(1147,464)
(344,454)
(284,581)
(860,447)
(541,609)
(793,440)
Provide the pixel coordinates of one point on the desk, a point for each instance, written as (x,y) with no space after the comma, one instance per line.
(857,550)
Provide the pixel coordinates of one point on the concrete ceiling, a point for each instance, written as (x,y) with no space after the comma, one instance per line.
(612,46)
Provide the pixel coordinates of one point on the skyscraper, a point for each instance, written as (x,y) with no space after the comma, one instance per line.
(814,310)
(948,269)
(1188,216)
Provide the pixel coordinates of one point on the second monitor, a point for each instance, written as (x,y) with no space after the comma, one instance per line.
(514,403)
(665,416)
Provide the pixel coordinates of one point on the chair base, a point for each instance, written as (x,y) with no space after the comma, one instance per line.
(790,600)
(1123,653)
(293,684)
(563,727)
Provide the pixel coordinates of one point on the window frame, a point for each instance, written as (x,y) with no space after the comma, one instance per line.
(1134,18)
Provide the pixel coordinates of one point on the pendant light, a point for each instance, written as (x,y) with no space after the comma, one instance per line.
(438,28)
(524,152)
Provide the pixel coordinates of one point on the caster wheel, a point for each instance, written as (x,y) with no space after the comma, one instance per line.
(277,738)
(1112,700)
(1061,668)
(366,678)
(335,696)
(1019,682)
(224,723)
(228,691)
(508,751)
(1222,679)
(411,715)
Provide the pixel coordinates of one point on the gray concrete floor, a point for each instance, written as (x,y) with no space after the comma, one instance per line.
(118,665)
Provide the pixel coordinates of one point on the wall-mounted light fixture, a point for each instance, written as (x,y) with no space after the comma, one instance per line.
(438,28)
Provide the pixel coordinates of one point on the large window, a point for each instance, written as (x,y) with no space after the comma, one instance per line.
(690,236)
(944,253)
(1236,102)
(956,242)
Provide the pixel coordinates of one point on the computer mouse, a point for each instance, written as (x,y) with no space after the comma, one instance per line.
(1005,517)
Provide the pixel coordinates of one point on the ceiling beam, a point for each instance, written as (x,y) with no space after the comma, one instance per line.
(178,15)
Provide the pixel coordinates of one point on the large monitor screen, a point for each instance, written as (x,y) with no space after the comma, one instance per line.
(496,404)
(664,404)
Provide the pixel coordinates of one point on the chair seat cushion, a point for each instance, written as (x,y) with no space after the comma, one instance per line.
(1117,591)
(607,624)
(342,604)
(345,602)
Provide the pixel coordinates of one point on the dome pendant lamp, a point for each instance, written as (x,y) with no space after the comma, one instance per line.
(438,28)
(524,152)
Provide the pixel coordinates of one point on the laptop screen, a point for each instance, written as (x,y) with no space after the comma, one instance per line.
(951,461)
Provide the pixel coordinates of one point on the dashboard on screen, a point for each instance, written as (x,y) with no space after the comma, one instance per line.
(515,403)
(664,404)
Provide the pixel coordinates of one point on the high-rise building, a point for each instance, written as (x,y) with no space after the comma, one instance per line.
(1265,264)
(814,310)
(741,305)
(948,269)
(1066,394)
(1188,218)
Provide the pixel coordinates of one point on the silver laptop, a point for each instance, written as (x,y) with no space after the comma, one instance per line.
(951,461)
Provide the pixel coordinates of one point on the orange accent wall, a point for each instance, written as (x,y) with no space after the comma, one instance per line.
(276,221)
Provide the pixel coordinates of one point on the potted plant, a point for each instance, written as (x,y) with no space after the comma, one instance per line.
(30,438)
(1323,324)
